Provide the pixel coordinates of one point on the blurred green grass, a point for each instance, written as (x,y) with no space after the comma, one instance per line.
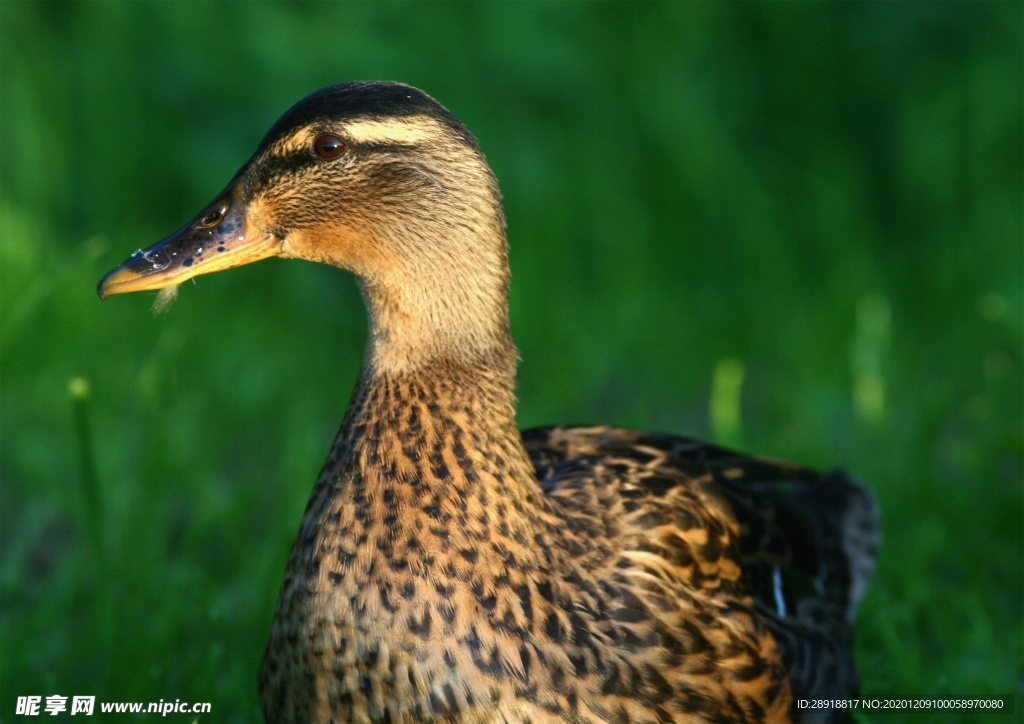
(827,195)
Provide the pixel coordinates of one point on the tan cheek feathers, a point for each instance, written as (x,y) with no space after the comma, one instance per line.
(342,246)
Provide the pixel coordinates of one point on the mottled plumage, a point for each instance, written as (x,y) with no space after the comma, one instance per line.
(450,568)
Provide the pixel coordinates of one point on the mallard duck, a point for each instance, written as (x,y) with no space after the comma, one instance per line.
(449,567)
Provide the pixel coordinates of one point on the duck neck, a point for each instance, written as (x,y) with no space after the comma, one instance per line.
(433,449)
(440,294)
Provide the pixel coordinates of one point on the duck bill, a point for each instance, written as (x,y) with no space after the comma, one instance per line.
(218,238)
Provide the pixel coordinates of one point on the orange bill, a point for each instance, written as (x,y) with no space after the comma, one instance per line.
(218,238)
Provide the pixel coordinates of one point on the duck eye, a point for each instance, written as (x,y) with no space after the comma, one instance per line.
(328,146)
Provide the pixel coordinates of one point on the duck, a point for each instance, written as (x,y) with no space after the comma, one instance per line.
(452,568)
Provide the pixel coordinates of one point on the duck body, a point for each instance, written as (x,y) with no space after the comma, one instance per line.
(449,567)
(623,577)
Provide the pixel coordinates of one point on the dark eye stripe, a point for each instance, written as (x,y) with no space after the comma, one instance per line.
(272,169)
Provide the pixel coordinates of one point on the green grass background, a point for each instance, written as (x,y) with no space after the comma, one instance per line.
(812,208)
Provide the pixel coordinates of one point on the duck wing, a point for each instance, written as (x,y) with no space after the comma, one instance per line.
(805,541)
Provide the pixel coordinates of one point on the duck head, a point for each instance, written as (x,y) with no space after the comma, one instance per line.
(376,178)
